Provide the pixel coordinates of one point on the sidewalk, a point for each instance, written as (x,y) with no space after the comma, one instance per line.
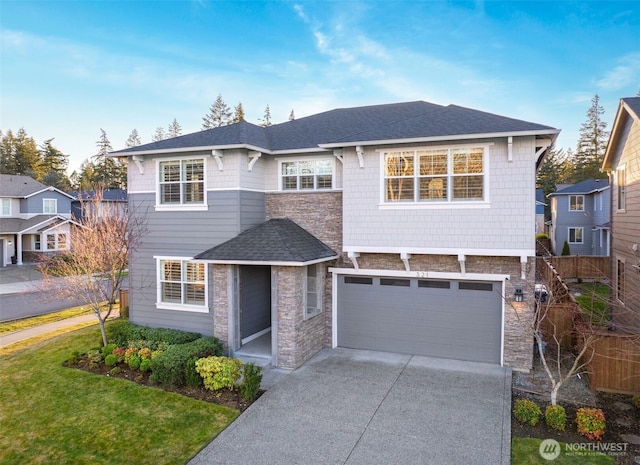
(17,336)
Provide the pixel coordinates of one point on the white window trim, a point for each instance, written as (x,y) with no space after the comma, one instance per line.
(319,290)
(446,204)
(569,203)
(617,287)
(281,161)
(569,234)
(621,169)
(181,207)
(180,307)
(55,206)
(2,202)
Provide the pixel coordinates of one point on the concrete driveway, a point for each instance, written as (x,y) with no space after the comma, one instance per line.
(360,408)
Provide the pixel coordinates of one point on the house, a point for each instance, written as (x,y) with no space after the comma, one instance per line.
(106,201)
(370,227)
(34,219)
(540,204)
(622,163)
(580,216)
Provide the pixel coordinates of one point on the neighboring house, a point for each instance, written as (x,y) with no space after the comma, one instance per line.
(622,162)
(34,219)
(405,227)
(111,200)
(540,204)
(580,216)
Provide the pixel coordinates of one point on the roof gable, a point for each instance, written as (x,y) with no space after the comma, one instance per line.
(588,186)
(18,186)
(628,108)
(276,241)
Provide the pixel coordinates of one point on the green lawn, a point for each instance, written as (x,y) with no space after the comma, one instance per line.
(51,414)
(594,300)
(525,451)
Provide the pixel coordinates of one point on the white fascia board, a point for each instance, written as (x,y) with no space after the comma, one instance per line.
(319,150)
(206,148)
(553,132)
(267,263)
(44,223)
(421,274)
(441,251)
(49,189)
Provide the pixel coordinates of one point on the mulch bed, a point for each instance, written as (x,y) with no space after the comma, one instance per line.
(226,397)
(619,420)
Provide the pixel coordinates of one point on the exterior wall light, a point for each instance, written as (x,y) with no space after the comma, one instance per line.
(518,295)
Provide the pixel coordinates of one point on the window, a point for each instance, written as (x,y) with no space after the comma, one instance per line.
(621,178)
(62,241)
(182,285)
(395,282)
(51,241)
(181,182)
(434,175)
(576,203)
(313,305)
(37,245)
(473,286)
(307,175)
(575,235)
(50,206)
(357,280)
(5,207)
(435,284)
(620,280)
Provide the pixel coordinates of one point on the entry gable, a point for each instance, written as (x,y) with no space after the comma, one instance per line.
(278,241)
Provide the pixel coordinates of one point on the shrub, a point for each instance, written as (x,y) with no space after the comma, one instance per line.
(635,400)
(542,237)
(110,360)
(108,349)
(134,362)
(191,376)
(130,352)
(566,250)
(251,379)
(145,352)
(555,417)
(124,312)
(527,411)
(74,358)
(119,353)
(115,371)
(219,372)
(118,332)
(145,364)
(169,366)
(122,332)
(591,422)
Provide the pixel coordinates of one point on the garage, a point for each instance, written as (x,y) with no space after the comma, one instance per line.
(438,318)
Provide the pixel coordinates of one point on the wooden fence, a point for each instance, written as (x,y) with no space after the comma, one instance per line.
(579,266)
(124,303)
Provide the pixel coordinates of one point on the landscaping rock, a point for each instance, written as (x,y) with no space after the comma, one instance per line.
(623,406)
(631,438)
(623,422)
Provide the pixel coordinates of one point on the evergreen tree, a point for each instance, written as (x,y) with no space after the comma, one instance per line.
(158,135)
(292,116)
(133,140)
(555,169)
(105,172)
(266,119)
(54,166)
(19,154)
(219,115)
(238,115)
(174,129)
(591,144)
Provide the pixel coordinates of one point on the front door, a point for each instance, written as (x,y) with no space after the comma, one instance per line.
(255,302)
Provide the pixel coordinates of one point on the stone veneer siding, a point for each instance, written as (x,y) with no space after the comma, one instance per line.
(221,303)
(518,339)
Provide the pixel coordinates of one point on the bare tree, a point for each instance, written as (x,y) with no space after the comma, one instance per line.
(95,266)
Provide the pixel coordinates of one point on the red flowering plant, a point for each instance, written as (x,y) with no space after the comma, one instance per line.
(591,422)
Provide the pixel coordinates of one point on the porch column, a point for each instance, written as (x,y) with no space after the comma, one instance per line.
(19,248)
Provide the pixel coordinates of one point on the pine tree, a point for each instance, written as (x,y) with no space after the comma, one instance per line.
(555,169)
(174,129)
(292,116)
(591,144)
(106,172)
(219,115)
(133,140)
(54,166)
(19,154)
(238,115)
(158,135)
(266,119)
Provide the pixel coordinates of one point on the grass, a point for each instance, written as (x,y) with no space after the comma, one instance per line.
(525,451)
(52,414)
(26,323)
(594,300)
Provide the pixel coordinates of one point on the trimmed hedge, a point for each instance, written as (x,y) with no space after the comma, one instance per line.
(170,366)
(121,332)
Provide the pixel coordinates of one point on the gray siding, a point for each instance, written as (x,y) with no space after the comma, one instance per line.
(184,234)
(34,205)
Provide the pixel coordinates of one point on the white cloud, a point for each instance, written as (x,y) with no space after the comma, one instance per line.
(626,74)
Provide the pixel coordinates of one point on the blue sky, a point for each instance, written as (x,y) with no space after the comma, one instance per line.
(71,68)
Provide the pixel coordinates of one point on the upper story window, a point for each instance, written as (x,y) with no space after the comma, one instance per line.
(621,181)
(435,175)
(5,207)
(306,175)
(181,182)
(50,206)
(576,203)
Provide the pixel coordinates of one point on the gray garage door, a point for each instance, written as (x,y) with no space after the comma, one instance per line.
(450,319)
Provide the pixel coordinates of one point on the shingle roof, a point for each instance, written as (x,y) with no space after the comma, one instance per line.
(12,185)
(17,225)
(634,104)
(408,120)
(108,195)
(278,240)
(585,187)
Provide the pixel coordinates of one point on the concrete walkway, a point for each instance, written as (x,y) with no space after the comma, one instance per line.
(357,407)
